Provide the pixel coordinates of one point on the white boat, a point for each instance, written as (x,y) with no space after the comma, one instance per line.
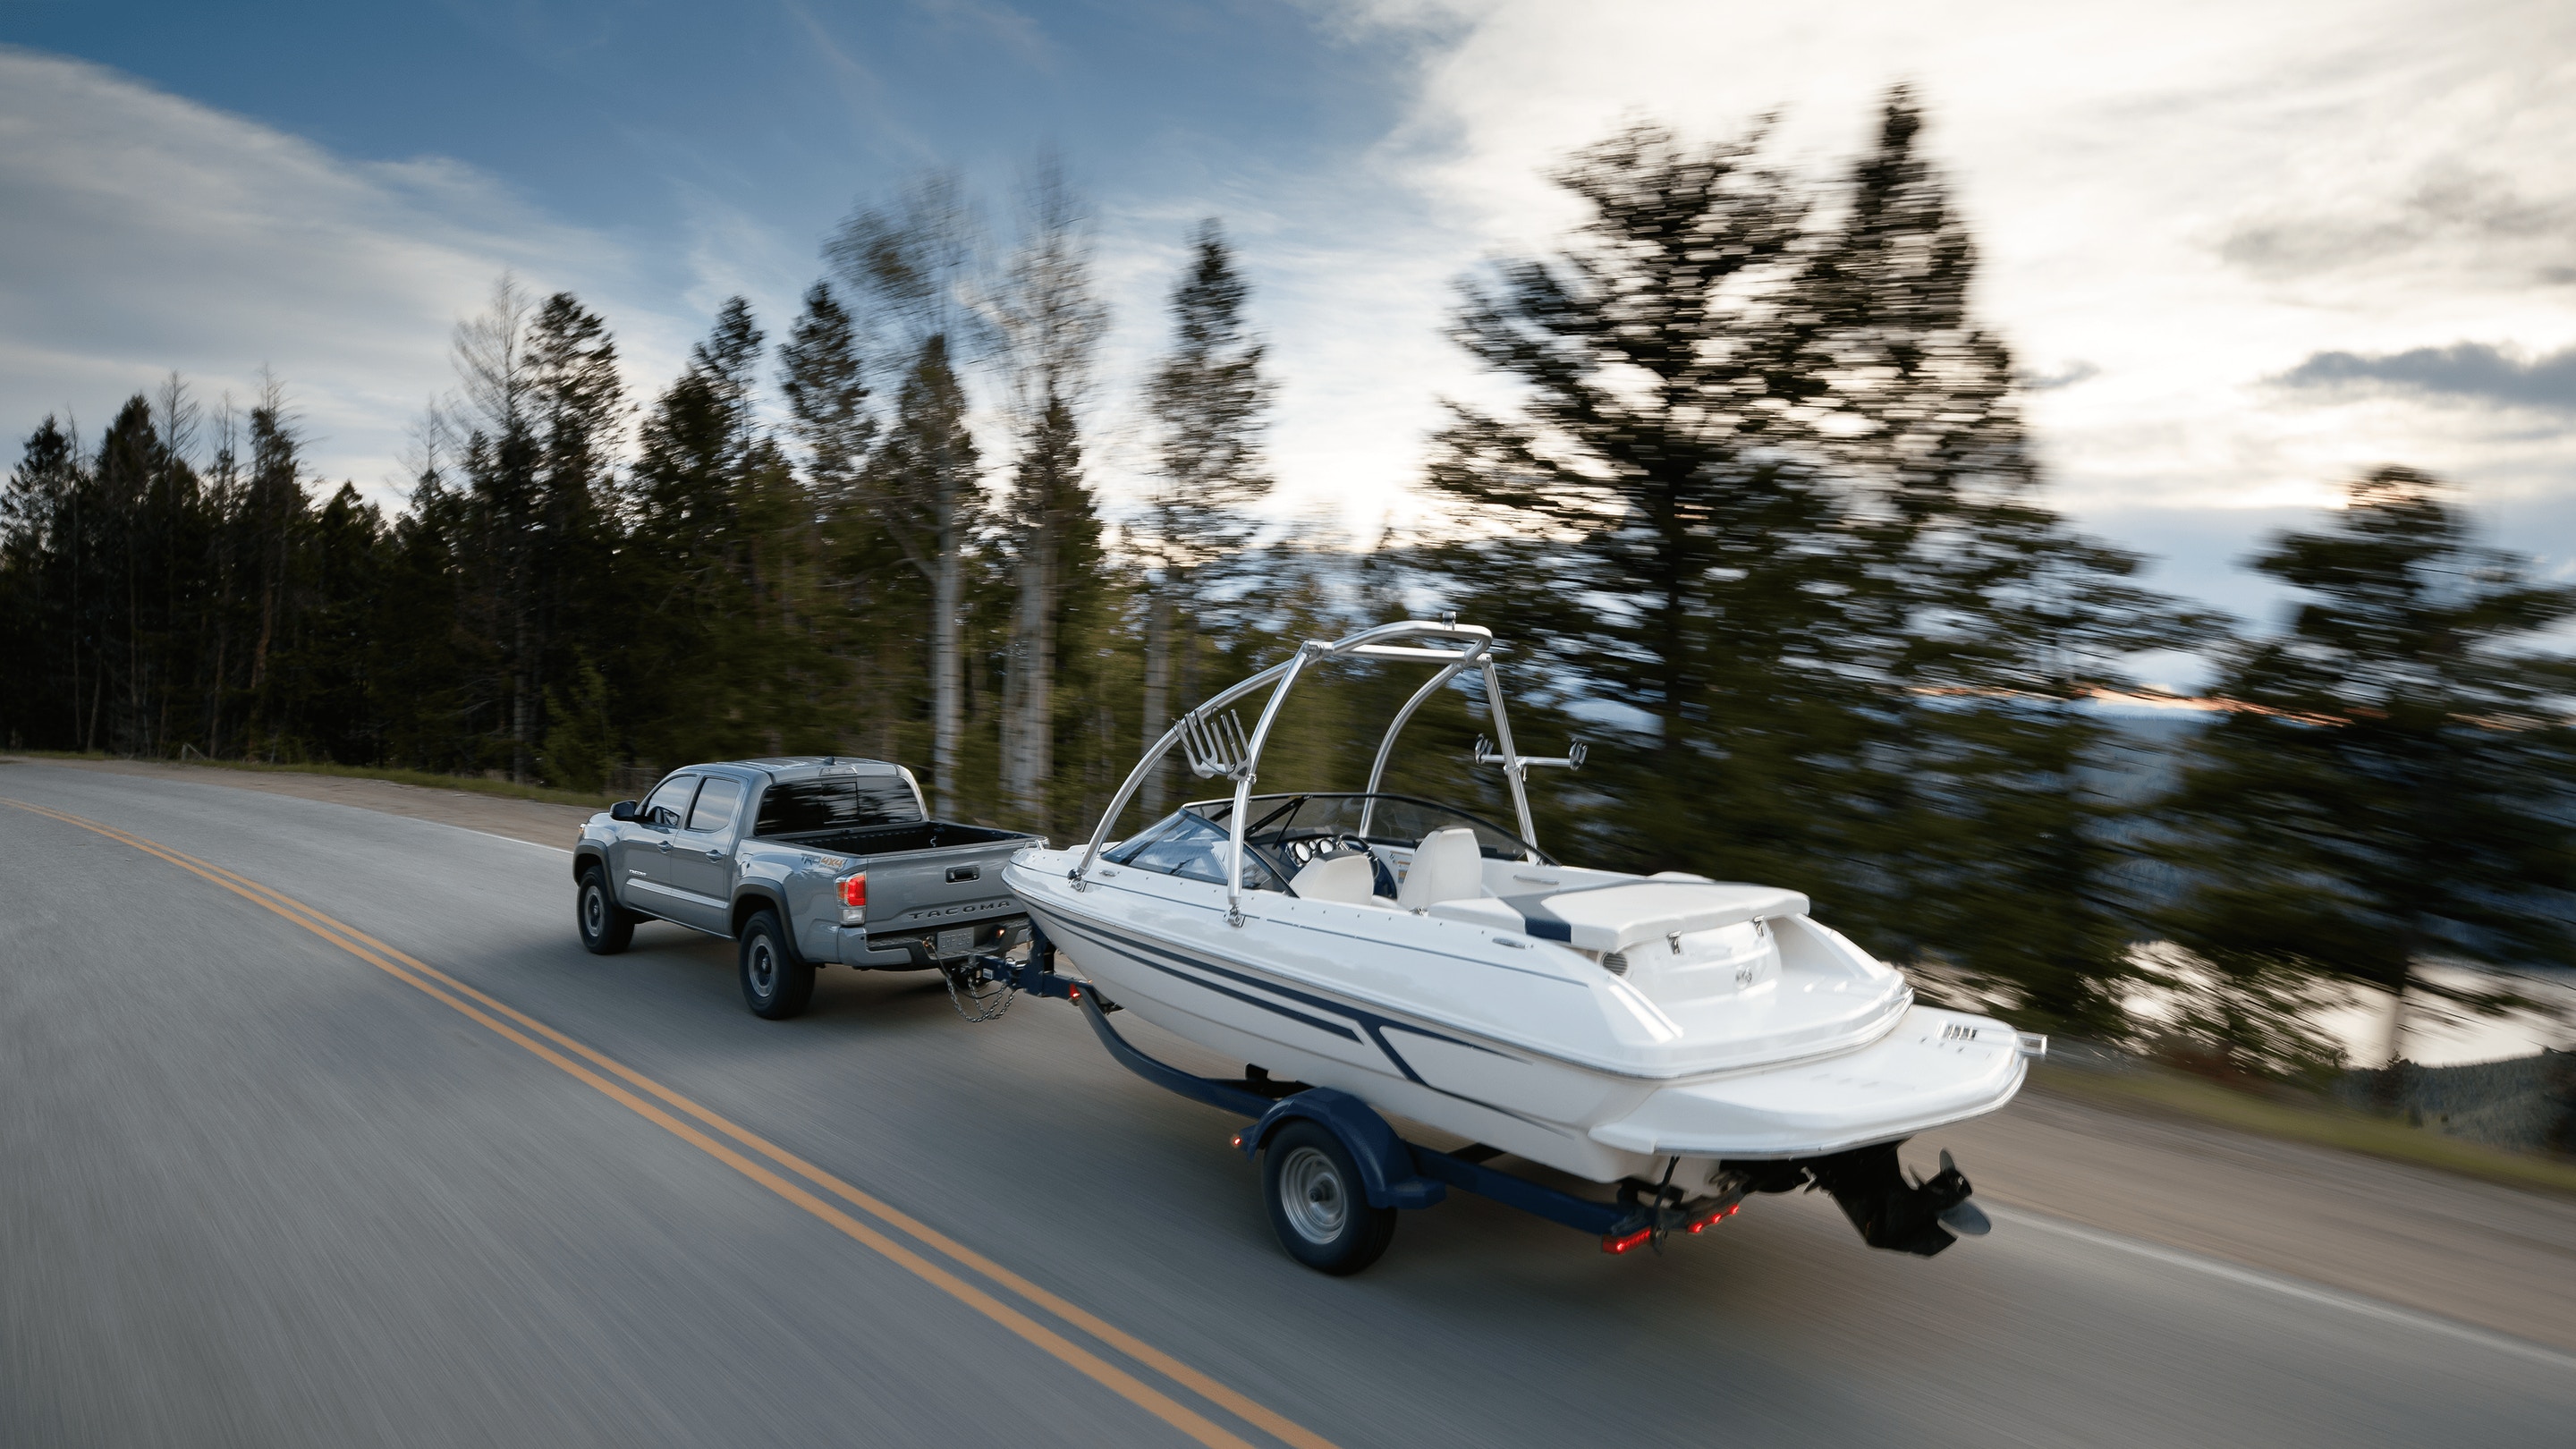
(1667,1029)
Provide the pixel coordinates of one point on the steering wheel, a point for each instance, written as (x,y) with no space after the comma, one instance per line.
(1328,847)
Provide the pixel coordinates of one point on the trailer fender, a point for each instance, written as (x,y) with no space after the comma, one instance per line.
(1385,1163)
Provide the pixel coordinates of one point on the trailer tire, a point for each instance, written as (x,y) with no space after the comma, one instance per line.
(1317,1204)
(606,926)
(776,983)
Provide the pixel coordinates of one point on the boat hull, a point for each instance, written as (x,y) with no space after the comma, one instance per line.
(1271,993)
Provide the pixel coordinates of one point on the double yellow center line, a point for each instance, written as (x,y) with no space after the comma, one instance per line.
(782,1172)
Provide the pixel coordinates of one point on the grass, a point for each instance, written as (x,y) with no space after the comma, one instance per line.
(472,784)
(2324,1124)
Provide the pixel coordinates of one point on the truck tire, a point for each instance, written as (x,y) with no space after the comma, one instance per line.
(1317,1205)
(606,926)
(775,982)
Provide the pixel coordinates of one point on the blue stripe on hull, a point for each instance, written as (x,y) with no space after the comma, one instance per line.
(1375,1025)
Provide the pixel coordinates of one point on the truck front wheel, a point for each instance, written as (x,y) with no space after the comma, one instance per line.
(606,926)
(775,983)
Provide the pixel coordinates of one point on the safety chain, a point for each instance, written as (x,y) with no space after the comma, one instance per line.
(986,1004)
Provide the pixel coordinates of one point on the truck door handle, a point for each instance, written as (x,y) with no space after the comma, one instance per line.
(715,855)
(666,847)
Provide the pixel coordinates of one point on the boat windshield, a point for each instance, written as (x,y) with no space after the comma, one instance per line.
(1186,843)
(1278,824)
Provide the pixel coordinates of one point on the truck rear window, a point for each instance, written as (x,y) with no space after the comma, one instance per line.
(835,804)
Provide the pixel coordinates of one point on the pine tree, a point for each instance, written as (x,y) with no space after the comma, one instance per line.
(1209,403)
(2391,787)
(920,263)
(1652,519)
(420,639)
(689,552)
(1051,322)
(1766,487)
(925,484)
(1992,621)
(577,613)
(37,522)
(825,384)
(272,523)
(879,618)
(128,467)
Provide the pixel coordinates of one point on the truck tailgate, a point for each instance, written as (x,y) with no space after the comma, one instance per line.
(920,892)
(934,888)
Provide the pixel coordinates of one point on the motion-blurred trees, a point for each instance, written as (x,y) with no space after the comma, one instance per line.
(1051,321)
(1209,404)
(1765,488)
(920,263)
(2391,788)
(1761,508)
(1992,621)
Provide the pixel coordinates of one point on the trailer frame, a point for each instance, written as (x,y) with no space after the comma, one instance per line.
(1393,1172)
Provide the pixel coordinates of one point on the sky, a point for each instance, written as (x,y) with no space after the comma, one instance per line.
(2243,251)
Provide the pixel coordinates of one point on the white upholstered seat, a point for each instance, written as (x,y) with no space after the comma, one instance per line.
(1447,866)
(1348,879)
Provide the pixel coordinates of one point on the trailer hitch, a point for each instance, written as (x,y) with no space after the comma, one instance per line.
(980,987)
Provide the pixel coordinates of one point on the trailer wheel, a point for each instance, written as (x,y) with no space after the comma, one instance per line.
(1317,1205)
(606,926)
(775,984)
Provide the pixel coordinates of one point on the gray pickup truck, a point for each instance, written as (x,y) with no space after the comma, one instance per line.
(803,862)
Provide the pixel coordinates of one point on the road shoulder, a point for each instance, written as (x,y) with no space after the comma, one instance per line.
(2479,1252)
(534,821)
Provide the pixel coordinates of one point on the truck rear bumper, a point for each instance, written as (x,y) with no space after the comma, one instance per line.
(920,950)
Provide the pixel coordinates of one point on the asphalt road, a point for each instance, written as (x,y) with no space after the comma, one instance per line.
(257,1190)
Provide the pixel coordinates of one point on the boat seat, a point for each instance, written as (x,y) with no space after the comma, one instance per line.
(1618,914)
(1348,878)
(1447,866)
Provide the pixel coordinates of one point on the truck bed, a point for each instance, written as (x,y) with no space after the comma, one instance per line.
(895,839)
(934,890)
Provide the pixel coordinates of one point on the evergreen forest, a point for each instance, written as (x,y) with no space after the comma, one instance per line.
(1756,513)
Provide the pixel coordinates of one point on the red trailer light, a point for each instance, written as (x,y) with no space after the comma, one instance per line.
(1713,1219)
(854,891)
(1622,1242)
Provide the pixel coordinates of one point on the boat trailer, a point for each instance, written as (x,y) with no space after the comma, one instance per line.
(1920,1218)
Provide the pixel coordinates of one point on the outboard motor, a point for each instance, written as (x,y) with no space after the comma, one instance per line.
(1920,1218)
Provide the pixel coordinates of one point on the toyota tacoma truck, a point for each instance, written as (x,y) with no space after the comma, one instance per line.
(802,862)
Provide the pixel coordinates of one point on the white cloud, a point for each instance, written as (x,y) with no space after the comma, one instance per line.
(141,232)
(2174,203)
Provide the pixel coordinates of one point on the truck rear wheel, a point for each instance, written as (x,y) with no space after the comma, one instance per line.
(606,926)
(775,983)
(1317,1204)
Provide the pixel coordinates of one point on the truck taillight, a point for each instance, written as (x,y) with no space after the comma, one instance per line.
(854,891)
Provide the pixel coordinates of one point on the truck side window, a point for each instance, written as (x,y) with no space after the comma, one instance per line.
(714,810)
(670,801)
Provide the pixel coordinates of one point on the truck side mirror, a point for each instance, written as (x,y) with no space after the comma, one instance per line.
(624,810)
